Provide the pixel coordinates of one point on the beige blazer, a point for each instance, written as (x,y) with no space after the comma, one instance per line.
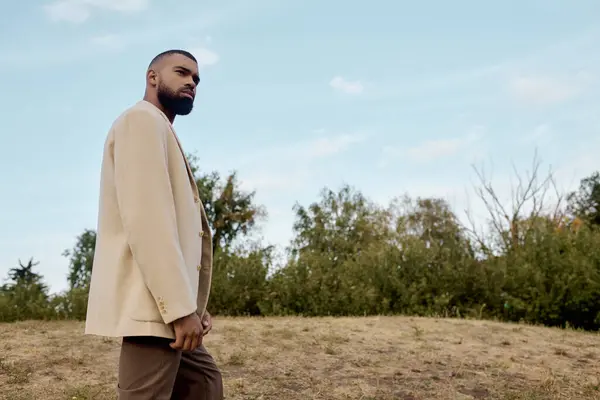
(153,257)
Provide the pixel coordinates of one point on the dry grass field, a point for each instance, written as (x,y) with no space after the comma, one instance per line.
(326,358)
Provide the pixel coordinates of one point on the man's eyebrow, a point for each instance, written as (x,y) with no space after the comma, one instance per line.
(189,71)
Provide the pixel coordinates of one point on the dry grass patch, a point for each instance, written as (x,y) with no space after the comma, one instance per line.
(326,358)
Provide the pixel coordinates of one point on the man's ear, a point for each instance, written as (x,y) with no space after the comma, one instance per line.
(152,78)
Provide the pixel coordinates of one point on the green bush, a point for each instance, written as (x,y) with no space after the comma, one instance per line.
(352,257)
(23,301)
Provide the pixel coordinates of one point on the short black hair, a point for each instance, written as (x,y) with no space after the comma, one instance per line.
(171,52)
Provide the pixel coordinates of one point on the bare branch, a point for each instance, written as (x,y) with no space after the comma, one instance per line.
(528,191)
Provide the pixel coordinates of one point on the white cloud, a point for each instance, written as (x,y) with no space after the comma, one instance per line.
(119,5)
(205,56)
(345,86)
(288,166)
(270,179)
(539,90)
(434,149)
(544,90)
(303,151)
(431,150)
(541,134)
(321,147)
(70,11)
(333,145)
(109,41)
(79,11)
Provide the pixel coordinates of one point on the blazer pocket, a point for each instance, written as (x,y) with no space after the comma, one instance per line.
(144,307)
(146,316)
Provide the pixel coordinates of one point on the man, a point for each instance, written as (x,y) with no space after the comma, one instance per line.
(152,268)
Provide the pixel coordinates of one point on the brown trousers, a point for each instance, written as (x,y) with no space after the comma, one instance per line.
(149,369)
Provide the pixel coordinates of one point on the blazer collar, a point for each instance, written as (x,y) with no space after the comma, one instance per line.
(148,105)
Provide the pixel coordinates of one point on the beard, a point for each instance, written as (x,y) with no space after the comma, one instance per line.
(173,102)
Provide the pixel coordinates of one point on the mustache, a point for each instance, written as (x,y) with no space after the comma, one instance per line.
(187,90)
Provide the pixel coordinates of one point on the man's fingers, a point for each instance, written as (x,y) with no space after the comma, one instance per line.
(206,324)
(195,341)
(187,344)
(178,342)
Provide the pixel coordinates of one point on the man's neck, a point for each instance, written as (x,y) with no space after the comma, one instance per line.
(150,99)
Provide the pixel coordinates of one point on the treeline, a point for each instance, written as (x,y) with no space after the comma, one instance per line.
(537,259)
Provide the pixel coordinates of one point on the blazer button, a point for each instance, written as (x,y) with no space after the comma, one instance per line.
(199,267)
(201,233)
(161,305)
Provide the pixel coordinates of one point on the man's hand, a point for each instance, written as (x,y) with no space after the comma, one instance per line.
(206,322)
(188,333)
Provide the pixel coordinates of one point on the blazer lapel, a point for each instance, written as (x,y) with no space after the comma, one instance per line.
(187,166)
(205,226)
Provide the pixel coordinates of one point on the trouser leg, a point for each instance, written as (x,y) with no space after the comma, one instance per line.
(147,369)
(198,377)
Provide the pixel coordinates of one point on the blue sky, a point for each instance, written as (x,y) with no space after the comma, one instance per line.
(391,97)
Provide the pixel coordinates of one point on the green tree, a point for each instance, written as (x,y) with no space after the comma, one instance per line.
(231,212)
(25,295)
(81,258)
(435,269)
(324,275)
(341,224)
(585,202)
(24,275)
(239,282)
(428,219)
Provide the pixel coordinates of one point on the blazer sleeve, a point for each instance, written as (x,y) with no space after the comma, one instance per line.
(147,208)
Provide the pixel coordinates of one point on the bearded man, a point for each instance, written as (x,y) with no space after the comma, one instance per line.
(152,268)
